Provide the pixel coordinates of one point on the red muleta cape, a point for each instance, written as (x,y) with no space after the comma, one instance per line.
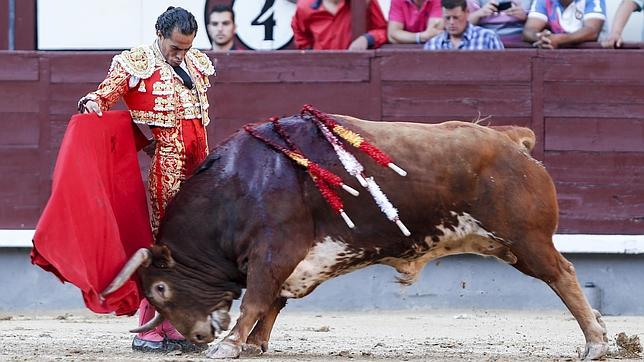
(97,214)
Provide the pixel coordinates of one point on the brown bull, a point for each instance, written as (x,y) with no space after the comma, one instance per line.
(249,218)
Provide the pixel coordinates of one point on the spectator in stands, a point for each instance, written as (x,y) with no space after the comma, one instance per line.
(221,28)
(414,21)
(569,22)
(459,33)
(505,17)
(624,11)
(326,24)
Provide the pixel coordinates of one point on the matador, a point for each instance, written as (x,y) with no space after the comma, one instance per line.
(164,87)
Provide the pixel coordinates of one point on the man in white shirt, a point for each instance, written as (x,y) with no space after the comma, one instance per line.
(560,23)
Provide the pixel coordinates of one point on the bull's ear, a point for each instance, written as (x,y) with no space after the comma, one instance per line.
(161,256)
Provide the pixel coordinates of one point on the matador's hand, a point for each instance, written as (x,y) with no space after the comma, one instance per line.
(89,106)
(92,107)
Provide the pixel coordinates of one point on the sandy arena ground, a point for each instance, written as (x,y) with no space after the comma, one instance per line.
(446,335)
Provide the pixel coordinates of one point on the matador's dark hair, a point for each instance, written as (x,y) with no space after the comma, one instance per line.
(178,18)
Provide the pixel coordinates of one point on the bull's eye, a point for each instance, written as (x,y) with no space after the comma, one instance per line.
(160,292)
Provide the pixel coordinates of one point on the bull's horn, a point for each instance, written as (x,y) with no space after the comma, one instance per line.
(142,256)
(158,318)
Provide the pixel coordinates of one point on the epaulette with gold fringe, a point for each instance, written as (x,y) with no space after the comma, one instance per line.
(201,62)
(138,62)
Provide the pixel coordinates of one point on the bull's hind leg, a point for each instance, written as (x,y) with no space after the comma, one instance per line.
(568,288)
(541,260)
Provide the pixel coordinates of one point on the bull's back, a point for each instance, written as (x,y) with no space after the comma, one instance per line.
(453,167)
(464,167)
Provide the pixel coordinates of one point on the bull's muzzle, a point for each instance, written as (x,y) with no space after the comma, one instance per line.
(203,332)
(206,331)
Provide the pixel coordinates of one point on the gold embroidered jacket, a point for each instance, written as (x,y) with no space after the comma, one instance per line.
(152,92)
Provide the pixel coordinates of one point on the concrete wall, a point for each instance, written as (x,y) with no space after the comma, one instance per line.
(466,281)
(27,287)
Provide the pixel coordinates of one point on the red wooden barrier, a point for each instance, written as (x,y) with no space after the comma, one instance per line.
(586,107)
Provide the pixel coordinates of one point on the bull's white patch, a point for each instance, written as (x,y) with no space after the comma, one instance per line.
(325,260)
(466,226)
(330,258)
(467,236)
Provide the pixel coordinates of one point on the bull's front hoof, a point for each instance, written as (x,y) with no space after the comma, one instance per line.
(223,350)
(595,351)
(251,350)
(598,317)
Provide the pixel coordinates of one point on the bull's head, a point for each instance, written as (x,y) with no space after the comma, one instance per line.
(197,310)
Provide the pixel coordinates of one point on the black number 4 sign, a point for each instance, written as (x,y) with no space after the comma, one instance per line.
(265,18)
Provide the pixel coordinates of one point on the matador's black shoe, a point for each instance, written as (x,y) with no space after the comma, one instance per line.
(141,345)
(185,345)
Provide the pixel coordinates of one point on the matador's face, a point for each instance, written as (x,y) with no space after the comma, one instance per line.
(175,47)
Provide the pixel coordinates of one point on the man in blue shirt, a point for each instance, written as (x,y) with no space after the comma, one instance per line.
(459,34)
(555,23)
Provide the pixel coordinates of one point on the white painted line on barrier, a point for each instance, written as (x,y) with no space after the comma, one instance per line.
(565,243)
(599,244)
(16,238)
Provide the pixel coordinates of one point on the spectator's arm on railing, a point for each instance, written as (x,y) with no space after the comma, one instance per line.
(533,26)
(589,32)
(397,35)
(434,27)
(624,11)
(533,33)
